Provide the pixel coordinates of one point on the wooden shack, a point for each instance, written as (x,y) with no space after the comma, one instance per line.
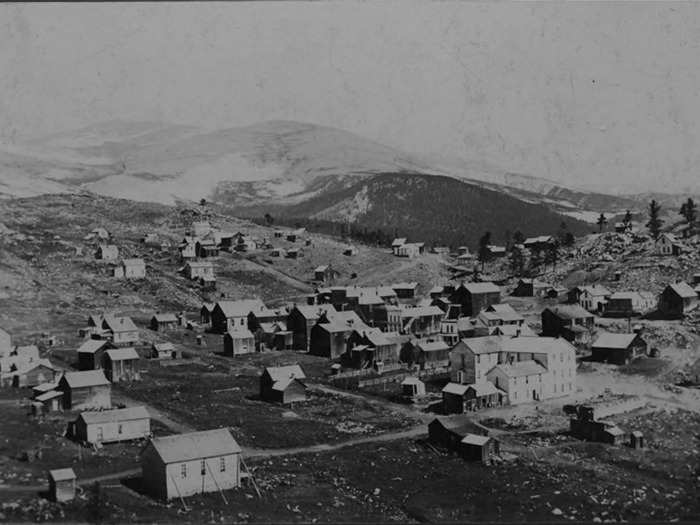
(283,384)
(86,389)
(238,342)
(121,364)
(110,426)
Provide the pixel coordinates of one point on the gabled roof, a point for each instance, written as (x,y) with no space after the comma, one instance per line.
(484,388)
(278,373)
(163,347)
(411,380)
(92,345)
(165,318)
(454,388)
(122,354)
(51,394)
(195,445)
(240,332)
(421,311)
(62,474)
(539,239)
(610,340)
(487,287)
(683,289)
(119,324)
(242,307)
(282,384)
(133,262)
(595,289)
(399,241)
(108,416)
(569,311)
(85,378)
(376,337)
(345,317)
(322,268)
(405,286)
(522,368)
(314,312)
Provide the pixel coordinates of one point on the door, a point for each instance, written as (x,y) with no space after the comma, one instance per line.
(100,434)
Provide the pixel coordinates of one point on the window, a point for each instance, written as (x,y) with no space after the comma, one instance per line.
(119,429)
(222,464)
(242,322)
(183,470)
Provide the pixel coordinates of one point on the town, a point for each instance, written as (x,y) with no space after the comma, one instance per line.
(480,358)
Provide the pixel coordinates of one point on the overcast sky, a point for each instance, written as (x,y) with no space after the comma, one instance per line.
(586,94)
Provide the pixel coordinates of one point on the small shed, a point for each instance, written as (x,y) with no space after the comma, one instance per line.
(636,439)
(412,387)
(62,484)
(475,447)
(50,401)
(163,351)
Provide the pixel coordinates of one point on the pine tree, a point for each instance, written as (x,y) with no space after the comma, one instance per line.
(602,221)
(689,211)
(517,261)
(655,221)
(551,256)
(518,237)
(627,220)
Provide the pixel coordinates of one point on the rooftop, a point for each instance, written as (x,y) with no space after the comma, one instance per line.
(195,445)
(110,416)
(610,340)
(85,378)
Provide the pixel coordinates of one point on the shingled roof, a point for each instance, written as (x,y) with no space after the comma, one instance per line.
(195,445)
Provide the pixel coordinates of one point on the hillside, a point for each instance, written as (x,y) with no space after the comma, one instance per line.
(274,162)
(433,209)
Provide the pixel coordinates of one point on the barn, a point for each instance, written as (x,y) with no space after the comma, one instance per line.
(109,426)
(182,465)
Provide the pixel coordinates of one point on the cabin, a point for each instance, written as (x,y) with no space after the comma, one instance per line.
(372,347)
(133,268)
(618,349)
(283,384)
(521,380)
(668,244)
(164,351)
(501,314)
(396,244)
(324,274)
(112,426)
(410,249)
(540,243)
(530,288)
(273,336)
(188,251)
(458,398)
(121,364)
(183,465)
(470,440)
(164,322)
(107,252)
(571,322)
(239,341)
(677,300)
(206,248)
(496,251)
(88,389)
(585,427)
(199,270)
(48,401)
(474,297)
(28,374)
(62,485)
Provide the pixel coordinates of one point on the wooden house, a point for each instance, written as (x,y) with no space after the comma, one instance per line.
(110,426)
(470,440)
(107,252)
(618,349)
(239,341)
(182,465)
(496,251)
(474,297)
(121,364)
(199,270)
(372,347)
(629,304)
(206,248)
(432,354)
(677,300)
(49,401)
(90,354)
(538,244)
(133,268)
(200,228)
(30,375)
(522,381)
(164,321)
(231,315)
(396,244)
(410,249)
(86,389)
(571,322)
(325,273)
(273,336)
(121,331)
(62,485)
(530,288)
(405,290)
(592,297)
(668,244)
(421,321)
(329,339)
(188,251)
(283,384)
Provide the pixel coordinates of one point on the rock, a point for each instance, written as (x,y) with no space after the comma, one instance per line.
(557,512)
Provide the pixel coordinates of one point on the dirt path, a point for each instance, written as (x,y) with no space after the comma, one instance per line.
(278,275)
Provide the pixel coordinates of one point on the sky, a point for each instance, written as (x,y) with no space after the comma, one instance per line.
(603,95)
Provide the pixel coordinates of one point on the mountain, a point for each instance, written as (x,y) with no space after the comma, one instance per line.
(280,162)
(431,208)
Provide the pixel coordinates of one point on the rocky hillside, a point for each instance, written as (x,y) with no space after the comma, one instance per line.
(433,209)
